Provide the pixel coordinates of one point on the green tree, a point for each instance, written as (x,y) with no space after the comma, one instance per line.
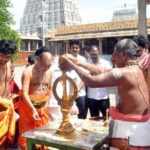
(6,17)
(6,20)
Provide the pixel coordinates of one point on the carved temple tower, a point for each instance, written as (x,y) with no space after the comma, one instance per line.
(55,13)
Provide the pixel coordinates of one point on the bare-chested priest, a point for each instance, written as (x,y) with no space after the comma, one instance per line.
(130,120)
(36,90)
(7,119)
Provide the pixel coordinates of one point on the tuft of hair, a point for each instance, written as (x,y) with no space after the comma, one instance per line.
(127,46)
(74,42)
(7,47)
(31,59)
(141,41)
(41,50)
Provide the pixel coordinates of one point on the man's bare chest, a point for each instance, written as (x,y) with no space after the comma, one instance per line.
(40,82)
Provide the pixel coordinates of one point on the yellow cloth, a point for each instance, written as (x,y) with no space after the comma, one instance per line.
(7,121)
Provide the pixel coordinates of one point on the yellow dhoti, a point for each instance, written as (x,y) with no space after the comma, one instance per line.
(7,121)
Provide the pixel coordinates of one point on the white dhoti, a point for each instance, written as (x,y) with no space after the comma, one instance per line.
(129,131)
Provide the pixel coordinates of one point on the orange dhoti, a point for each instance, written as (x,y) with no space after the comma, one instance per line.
(7,121)
(26,121)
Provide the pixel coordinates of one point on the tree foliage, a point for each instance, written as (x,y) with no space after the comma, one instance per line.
(6,17)
(6,20)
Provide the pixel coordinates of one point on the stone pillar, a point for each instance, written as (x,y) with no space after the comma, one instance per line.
(142,21)
(29,46)
(100,45)
(37,45)
(82,43)
(66,46)
(52,46)
(49,45)
(59,48)
(56,47)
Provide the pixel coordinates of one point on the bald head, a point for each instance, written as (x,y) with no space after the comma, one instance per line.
(45,60)
(46,55)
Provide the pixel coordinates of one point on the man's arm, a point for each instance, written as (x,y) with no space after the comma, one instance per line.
(25,88)
(81,85)
(107,79)
(51,83)
(94,69)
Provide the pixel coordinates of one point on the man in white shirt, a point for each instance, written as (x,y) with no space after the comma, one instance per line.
(81,100)
(98,98)
(86,54)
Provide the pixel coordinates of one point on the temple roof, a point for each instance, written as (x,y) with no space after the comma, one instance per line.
(113,26)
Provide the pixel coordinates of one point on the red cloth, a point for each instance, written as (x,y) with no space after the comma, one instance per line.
(123,144)
(15,90)
(116,115)
(14,87)
(26,121)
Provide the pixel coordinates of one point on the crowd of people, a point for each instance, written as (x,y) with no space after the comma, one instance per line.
(130,120)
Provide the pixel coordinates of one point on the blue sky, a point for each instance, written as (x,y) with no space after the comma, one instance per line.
(91,11)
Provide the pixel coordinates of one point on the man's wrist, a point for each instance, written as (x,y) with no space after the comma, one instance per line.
(33,109)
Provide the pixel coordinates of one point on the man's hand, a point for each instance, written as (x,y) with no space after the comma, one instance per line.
(145,62)
(13,96)
(67,62)
(74,109)
(35,115)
